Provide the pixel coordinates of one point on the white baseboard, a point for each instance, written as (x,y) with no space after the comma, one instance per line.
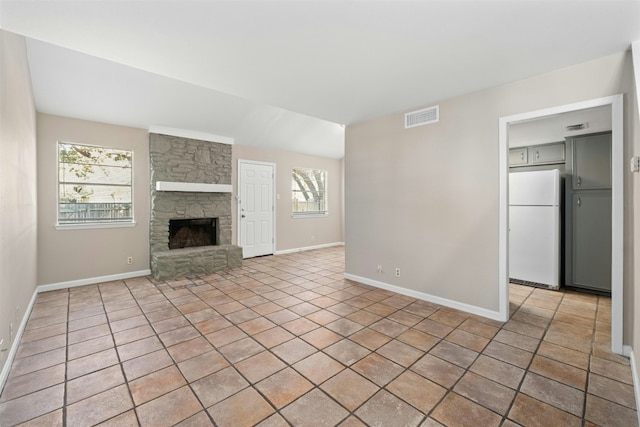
(494,315)
(52,287)
(636,382)
(92,280)
(6,368)
(309,248)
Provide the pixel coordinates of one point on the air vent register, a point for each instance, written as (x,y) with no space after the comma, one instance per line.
(422,117)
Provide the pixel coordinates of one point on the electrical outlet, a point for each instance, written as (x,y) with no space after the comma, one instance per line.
(635,164)
(379,268)
(130,260)
(397,272)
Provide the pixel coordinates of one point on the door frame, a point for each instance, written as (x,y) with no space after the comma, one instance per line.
(616,102)
(273,195)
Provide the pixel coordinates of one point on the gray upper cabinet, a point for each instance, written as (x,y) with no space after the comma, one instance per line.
(546,154)
(534,155)
(592,162)
(518,156)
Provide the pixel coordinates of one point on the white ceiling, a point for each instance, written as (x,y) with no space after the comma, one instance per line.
(286,74)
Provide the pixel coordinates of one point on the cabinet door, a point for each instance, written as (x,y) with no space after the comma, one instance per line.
(548,154)
(592,162)
(518,156)
(591,241)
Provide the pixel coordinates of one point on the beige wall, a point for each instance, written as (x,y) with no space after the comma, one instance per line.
(294,233)
(18,224)
(426,199)
(68,255)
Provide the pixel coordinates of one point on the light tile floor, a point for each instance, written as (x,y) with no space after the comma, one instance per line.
(285,340)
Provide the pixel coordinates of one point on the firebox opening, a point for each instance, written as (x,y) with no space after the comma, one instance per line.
(187,233)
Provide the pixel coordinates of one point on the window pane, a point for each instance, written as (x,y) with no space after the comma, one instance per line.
(94,184)
(91,155)
(71,193)
(69,172)
(308,188)
(80,213)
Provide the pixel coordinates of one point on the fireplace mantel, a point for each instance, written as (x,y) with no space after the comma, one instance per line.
(193,187)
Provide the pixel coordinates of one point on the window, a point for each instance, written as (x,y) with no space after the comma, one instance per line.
(94,185)
(309,191)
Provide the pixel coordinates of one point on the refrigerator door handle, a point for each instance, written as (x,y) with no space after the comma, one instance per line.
(579,202)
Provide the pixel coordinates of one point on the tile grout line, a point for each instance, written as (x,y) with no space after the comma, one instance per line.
(66,363)
(174,363)
(290,366)
(286,365)
(317,386)
(534,353)
(115,347)
(189,383)
(232,365)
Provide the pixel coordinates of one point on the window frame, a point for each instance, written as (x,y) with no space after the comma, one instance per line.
(310,214)
(94,224)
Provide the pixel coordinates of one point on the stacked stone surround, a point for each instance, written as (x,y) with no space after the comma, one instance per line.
(178,159)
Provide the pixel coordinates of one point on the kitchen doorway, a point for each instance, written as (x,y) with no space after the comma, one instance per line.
(617,244)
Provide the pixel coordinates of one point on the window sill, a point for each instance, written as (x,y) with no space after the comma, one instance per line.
(318,215)
(95,225)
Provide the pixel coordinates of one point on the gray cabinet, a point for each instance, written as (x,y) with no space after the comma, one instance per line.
(534,155)
(591,241)
(547,154)
(588,212)
(518,156)
(592,162)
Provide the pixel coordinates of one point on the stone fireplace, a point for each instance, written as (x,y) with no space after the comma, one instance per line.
(190,229)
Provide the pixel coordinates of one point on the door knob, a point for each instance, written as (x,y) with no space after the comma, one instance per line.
(242,216)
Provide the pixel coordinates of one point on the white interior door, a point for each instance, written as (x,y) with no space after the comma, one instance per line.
(256,208)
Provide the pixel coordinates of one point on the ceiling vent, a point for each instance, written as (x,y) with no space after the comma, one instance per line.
(579,126)
(422,117)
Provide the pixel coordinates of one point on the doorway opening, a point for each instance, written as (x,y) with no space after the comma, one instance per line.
(617,209)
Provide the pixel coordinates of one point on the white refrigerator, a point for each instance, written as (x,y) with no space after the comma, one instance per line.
(534,227)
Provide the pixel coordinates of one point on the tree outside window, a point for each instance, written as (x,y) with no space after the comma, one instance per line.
(309,191)
(94,184)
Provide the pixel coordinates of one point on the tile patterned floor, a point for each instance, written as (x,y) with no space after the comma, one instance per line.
(285,340)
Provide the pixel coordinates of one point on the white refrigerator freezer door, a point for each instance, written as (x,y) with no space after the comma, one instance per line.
(537,188)
(534,244)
